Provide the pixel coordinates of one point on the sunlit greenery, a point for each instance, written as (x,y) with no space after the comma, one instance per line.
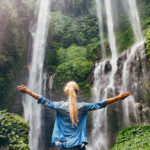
(73,64)
(13,131)
(148,43)
(133,138)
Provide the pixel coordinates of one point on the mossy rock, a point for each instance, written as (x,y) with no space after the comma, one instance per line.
(148,43)
(136,137)
(13,131)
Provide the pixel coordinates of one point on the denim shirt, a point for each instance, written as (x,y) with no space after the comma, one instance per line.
(64,132)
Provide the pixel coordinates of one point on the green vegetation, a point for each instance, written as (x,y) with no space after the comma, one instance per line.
(13,131)
(144,9)
(73,65)
(70,56)
(94,50)
(148,43)
(70,53)
(133,138)
(68,31)
(76,69)
(70,47)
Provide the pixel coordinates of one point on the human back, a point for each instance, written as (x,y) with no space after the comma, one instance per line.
(70,125)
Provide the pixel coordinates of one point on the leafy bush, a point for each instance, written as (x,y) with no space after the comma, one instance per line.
(73,64)
(76,69)
(70,53)
(14,131)
(148,43)
(133,138)
(94,50)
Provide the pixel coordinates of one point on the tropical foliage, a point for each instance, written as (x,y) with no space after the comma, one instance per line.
(133,138)
(13,131)
(148,43)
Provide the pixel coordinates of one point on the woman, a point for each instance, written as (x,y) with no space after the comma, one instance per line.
(70,126)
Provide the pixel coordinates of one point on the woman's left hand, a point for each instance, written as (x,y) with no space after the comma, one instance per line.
(22,88)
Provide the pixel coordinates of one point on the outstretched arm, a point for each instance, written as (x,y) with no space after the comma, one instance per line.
(41,99)
(117,98)
(103,103)
(24,89)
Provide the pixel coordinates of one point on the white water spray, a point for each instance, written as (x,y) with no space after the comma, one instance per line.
(134,19)
(100,24)
(110,26)
(126,75)
(112,43)
(99,131)
(102,85)
(104,82)
(32,111)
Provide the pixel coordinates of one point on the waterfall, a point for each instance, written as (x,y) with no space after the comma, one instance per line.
(99,131)
(114,76)
(110,26)
(50,83)
(131,74)
(134,19)
(32,111)
(126,77)
(100,24)
(103,84)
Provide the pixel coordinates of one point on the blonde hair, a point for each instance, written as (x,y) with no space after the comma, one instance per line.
(71,89)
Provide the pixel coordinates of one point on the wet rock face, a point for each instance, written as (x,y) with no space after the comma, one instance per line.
(108,67)
(132,74)
(118,75)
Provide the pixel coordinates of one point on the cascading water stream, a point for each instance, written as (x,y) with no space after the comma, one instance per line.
(125,83)
(134,19)
(110,26)
(100,24)
(102,86)
(112,43)
(50,83)
(104,78)
(32,111)
(136,27)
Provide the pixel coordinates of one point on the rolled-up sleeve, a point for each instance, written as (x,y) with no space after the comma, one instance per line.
(48,103)
(95,105)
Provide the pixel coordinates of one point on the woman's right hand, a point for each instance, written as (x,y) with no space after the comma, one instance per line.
(124,95)
(22,88)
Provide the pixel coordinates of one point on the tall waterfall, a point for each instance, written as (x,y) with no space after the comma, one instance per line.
(110,26)
(126,75)
(134,19)
(100,24)
(113,76)
(32,111)
(99,131)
